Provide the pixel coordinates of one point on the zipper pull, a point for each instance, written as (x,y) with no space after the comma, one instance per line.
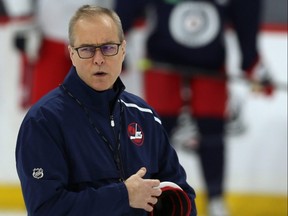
(112,121)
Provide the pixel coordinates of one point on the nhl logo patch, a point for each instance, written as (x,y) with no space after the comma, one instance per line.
(38,173)
(135,133)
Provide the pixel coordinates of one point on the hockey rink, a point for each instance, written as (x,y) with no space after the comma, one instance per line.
(256,158)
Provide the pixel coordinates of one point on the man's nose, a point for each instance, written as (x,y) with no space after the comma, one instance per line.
(98,57)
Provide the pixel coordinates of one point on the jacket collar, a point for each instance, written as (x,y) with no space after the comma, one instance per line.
(88,96)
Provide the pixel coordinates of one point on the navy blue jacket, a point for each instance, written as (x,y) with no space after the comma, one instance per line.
(67,151)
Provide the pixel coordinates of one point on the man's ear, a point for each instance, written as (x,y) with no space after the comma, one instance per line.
(123,48)
(71,53)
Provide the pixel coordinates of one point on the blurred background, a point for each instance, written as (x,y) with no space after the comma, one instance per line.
(256,169)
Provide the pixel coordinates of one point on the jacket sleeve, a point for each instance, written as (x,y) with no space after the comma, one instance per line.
(129,11)
(245,17)
(43,171)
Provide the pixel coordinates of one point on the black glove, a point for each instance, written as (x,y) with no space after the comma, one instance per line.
(20,41)
(27,40)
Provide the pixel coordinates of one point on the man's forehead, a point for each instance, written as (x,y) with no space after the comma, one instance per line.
(96,31)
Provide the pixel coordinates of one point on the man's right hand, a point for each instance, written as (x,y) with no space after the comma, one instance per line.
(143,193)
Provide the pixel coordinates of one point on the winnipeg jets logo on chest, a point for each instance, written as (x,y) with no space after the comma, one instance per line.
(135,133)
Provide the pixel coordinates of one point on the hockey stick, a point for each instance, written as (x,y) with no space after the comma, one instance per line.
(194,72)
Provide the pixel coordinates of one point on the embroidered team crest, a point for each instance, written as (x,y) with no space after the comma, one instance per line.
(135,134)
(38,173)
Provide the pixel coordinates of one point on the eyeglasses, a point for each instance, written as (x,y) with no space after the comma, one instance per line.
(86,52)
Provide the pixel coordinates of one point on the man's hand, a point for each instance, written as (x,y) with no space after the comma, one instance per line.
(142,193)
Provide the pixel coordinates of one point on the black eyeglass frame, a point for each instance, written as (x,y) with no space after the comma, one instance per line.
(96,47)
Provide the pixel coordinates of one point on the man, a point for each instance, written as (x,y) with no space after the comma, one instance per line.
(89,147)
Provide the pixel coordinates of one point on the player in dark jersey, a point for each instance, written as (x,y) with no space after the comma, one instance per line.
(185,46)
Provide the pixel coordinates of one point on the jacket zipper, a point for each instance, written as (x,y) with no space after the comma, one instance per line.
(112,122)
(117,154)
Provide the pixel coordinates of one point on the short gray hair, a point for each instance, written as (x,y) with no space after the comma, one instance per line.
(87,11)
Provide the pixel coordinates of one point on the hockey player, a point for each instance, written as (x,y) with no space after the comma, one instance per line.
(13,15)
(50,61)
(185,47)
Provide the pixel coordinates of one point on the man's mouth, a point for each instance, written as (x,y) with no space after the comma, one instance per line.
(100,73)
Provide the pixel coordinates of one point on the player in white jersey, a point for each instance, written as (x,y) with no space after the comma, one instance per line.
(48,60)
